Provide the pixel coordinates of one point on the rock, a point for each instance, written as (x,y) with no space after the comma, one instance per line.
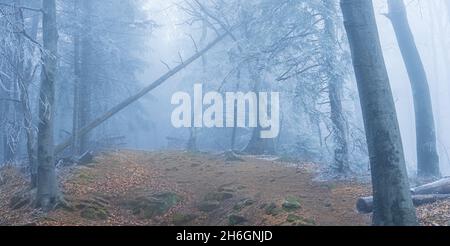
(236,220)
(291,203)
(272,209)
(208,206)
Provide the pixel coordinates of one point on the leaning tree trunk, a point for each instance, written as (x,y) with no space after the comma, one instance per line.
(392,198)
(427,155)
(47,191)
(335,83)
(128,101)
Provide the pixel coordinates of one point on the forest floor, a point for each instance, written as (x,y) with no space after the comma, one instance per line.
(180,188)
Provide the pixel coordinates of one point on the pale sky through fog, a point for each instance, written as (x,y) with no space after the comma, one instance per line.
(429,23)
(430,26)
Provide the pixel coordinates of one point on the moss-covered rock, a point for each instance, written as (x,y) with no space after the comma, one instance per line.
(272,209)
(291,203)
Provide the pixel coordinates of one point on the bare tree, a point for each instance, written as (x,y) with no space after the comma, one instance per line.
(392,198)
(335,84)
(427,154)
(47,190)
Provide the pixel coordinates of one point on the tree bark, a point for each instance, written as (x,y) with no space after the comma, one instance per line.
(392,199)
(427,155)
(47,191)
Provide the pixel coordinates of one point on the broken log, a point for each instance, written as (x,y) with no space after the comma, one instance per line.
(119,107)
(441,186)
(365,204)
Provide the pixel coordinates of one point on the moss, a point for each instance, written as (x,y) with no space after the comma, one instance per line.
(272,209)
(291,203)
(293,218)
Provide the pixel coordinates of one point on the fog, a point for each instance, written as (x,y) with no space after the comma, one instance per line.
(430,25)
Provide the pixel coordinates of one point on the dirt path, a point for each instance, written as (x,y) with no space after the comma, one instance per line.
(167,188)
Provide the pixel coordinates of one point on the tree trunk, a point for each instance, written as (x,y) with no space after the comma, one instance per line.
(335,83)
(85,79)
(365,204)
(427,155)
(441,186)
(47,191)
(392,198)
(76,87)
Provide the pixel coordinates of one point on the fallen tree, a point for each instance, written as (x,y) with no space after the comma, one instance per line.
(119,107)
(441,186)
(424,194)
(365,204)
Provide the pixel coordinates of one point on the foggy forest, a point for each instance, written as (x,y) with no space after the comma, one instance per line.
(225,112)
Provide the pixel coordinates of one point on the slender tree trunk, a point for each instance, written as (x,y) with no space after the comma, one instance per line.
(27,73)
(427,155)
(47,191)
(392,198)
(76,95)
(335,83)
(85,82)
(235,125)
